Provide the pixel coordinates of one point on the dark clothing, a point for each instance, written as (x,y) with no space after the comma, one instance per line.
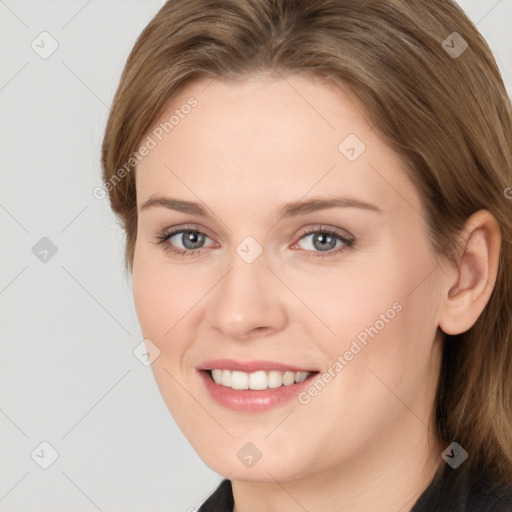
(221,500)
(446,493)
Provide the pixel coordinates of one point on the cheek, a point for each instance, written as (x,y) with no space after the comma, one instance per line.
(169,305)
(378,368)
(384,319)
(161,298)
(163,302)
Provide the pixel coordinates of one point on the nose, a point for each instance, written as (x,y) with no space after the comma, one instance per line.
(248,301)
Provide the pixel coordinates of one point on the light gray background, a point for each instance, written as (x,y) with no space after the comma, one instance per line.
(68,375)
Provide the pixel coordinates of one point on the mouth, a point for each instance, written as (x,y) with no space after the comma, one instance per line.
(257,381)
(253,386)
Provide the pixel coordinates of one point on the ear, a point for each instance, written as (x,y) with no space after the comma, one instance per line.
(470,281)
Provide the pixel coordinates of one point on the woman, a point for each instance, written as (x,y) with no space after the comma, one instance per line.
(316,200)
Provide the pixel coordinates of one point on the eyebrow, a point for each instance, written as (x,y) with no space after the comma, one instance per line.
(292,209)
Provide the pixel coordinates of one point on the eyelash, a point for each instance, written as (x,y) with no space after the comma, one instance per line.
(163,238)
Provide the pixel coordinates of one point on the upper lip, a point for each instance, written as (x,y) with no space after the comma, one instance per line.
(250,366)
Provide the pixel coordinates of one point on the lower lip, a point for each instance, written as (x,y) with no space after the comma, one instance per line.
(250,400)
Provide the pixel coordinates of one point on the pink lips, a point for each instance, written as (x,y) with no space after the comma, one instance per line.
(249,400)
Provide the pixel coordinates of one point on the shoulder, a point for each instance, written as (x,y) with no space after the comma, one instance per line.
(487,495)
(453,491)
(448,493)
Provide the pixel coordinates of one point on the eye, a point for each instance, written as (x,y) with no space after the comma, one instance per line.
(190,238)
(322,241)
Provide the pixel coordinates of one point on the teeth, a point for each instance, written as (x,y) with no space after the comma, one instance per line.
(257,380)
(226,377)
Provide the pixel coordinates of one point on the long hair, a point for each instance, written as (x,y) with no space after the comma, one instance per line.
(430,85)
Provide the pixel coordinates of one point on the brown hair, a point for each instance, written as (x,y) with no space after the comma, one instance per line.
(447,115)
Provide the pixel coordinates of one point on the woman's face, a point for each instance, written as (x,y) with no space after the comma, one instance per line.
(258,172)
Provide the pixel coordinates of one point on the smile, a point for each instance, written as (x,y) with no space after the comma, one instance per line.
(259,380)
(253,386)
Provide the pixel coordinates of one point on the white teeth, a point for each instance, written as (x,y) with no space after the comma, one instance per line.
(275,379)
(257,380)
(288,378)
(217,376)
(239,380)
(226,377)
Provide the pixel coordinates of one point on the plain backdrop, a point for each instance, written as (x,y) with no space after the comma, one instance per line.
(68,375)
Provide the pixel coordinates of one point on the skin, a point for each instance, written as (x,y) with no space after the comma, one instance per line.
(366,442)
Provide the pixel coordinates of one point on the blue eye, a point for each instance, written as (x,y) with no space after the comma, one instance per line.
(191,239)
(323,242)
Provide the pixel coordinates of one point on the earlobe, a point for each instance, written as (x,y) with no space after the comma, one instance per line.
(470,286)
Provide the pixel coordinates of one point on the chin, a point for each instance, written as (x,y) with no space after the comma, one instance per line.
(261,461)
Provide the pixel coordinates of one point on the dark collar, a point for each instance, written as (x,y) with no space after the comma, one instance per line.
(451,490)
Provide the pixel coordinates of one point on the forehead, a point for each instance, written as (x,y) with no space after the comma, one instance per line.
(267,139)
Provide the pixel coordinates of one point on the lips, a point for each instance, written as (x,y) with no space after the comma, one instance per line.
(253,386)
